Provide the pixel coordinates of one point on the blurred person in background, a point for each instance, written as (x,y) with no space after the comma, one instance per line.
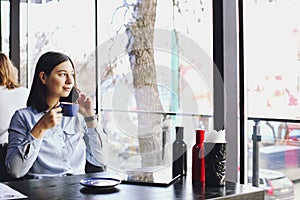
(12,97)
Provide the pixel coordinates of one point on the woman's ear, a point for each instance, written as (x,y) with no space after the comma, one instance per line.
(43,77)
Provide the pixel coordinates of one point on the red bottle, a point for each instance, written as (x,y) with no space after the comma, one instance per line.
(198,162)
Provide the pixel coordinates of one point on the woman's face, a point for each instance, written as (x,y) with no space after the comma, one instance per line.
(60,81)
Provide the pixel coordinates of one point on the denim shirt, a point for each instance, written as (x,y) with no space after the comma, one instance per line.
(62,150)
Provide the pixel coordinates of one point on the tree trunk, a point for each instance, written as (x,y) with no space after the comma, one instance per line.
(140,34)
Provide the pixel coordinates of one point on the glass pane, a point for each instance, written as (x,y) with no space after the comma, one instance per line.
(57,26)
(271,58)
(272,64)
(25,67)
(182,45)
(5,26)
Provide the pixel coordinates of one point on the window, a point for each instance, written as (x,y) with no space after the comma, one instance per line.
(183,66)
(60,26)
(182,56)
(272,65)
(4,26)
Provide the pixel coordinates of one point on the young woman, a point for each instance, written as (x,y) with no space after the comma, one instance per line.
(43,142)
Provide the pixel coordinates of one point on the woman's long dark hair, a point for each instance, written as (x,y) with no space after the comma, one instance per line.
(38,92)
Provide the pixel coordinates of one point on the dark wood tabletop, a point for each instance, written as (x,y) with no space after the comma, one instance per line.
(69,187)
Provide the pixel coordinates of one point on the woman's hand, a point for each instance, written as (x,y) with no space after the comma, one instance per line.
(49,120)
(86,109)
(85,105)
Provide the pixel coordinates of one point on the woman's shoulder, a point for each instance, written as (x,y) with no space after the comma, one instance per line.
(20,92)
(26,112)
(23,90)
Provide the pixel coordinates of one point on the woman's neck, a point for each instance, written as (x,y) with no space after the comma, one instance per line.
(52,102)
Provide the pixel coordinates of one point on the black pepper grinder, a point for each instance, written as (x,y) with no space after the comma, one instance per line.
(179,166)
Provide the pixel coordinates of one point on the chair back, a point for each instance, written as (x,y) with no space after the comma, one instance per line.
(4,176)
